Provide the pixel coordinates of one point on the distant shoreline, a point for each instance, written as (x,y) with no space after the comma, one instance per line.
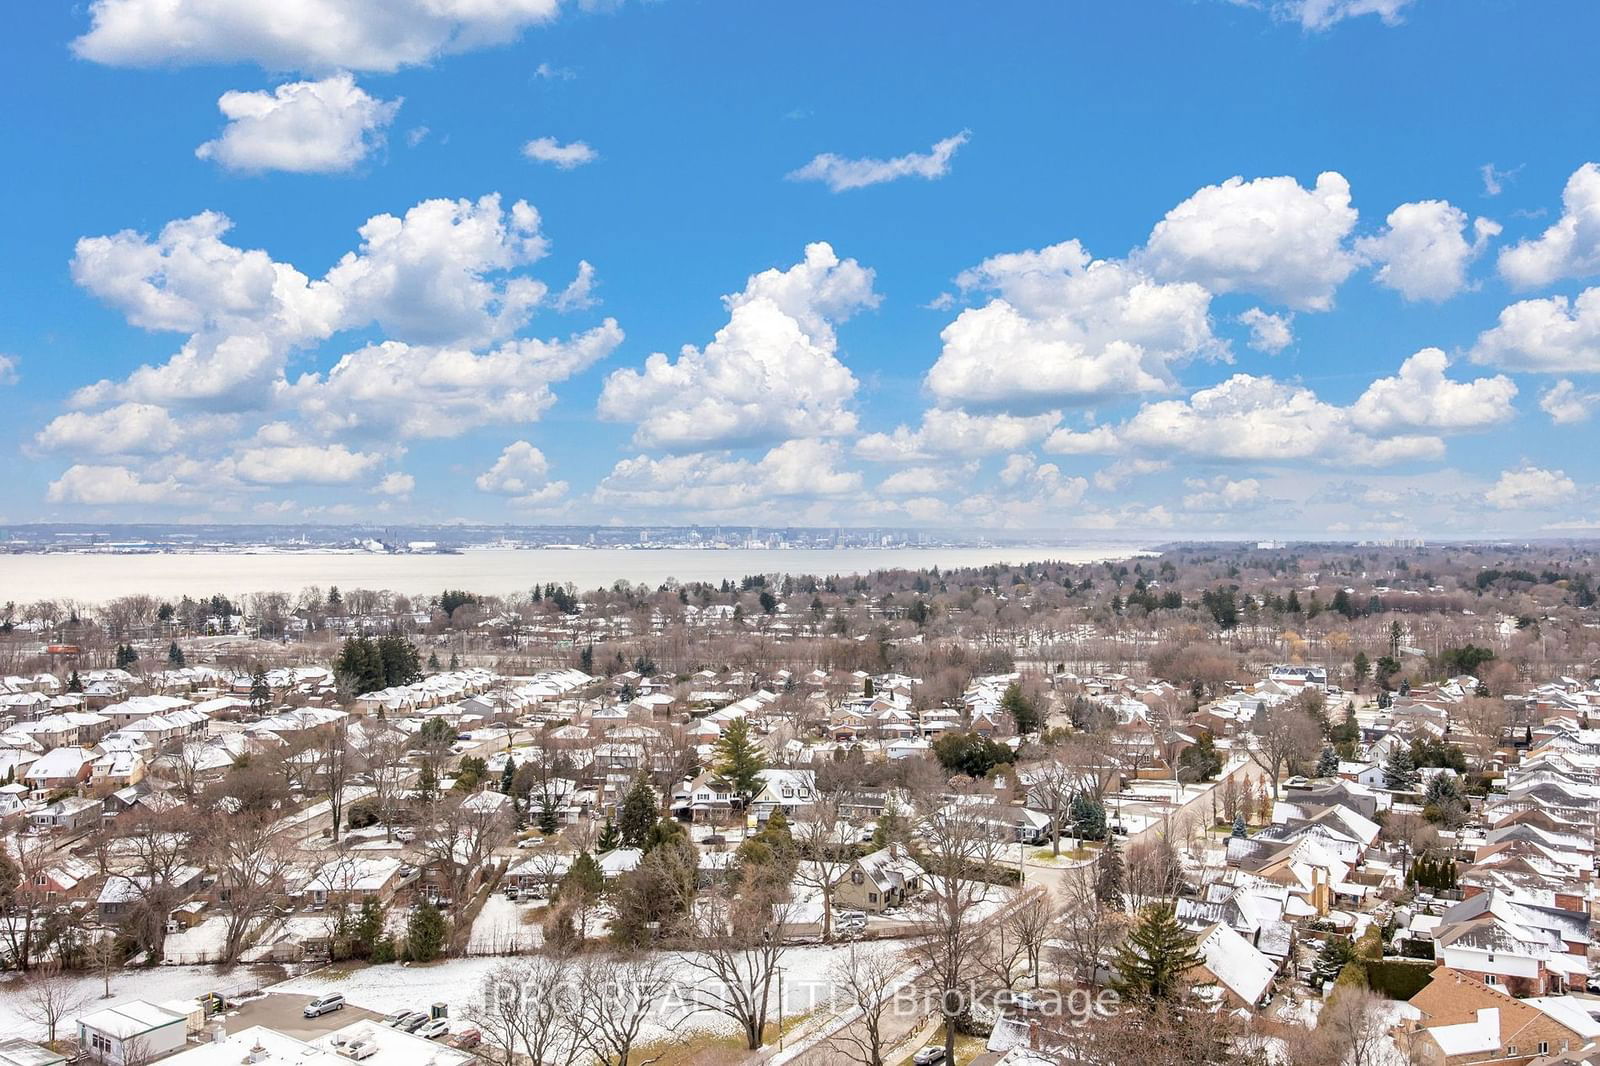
(91,576)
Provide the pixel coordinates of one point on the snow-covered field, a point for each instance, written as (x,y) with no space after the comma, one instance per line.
(807,983)
(500,929)
(156,985)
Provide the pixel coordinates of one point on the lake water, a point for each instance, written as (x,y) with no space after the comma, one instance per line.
(96,578)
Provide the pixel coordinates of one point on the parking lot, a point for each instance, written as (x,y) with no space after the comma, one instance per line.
(282,1012)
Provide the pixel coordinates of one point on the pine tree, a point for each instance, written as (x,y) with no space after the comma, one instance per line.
(433,662)
(508,776)
(1108,876)
(1151,963)
(1088,817)
(455,661)
(425,934)
(739,760)
(1327,763)
(1400,771)
(1239,830)
(1336,952)
(1023,711)
(175,656)
(586,660)
(640,810)
(368,928)
(260,691)
(583,878)
(609,841)
(74,683)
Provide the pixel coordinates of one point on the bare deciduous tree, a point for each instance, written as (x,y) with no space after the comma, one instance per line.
(619,996)
(49,997)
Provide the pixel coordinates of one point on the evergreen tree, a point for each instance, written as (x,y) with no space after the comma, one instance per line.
(368,927)
(1400,771)
(1327,763)
(425,934)
(549,819)
(640,809)
(586,659)
(1108,876)
(1363,667)
(455,661)
(1239,829)
(739,760)
(1024,712)
(260,691)
(609,840)
(1151,963)
(508,776)
(583,878)
(669,831)
(1088,817)
(74,683)
(1336,952)
(1200,759)
(175,656)
(433,662)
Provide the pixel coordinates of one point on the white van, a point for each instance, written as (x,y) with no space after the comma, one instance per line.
(324,1005)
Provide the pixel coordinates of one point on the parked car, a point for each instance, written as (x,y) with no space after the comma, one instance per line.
(359,1049)
(434,1029)
(932,1055)
(466,1039)
(405,836)
(391,1020)
(411,1025)
(324,1005)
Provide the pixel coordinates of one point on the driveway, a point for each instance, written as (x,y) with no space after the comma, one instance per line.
(282,1012)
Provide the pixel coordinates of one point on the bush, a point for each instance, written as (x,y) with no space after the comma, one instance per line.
(384,950)
(363,813)
(1398,978)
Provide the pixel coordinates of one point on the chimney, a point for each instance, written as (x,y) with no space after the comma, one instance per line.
(894,849)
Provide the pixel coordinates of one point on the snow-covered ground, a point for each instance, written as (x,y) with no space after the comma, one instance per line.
(156,985)
(500,927)
(807,983)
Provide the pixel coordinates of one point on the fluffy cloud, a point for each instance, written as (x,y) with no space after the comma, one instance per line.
(426,278)
(110,485)
(425,391)
(1552,336)
(521,472)
(1421,397)
(706,483)
(305,126)
(1223,494)
(127,429)
(1099,440)
(1268,332)
(840,174)
(579,293)
(956,433)
(1321,14)
(1124,470)
(1566,404)
(1042,484)
(301,464)
(1530,489)
(1259,419)
(1424,252)
(8,369)
(1268,236)
(770,374)
(396,484)
(1067,328)
(926,480)
(311,35)
(564,156)
(1568,249)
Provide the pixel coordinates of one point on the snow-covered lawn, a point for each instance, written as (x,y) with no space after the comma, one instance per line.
(156,985)
(500,927)
(807,983)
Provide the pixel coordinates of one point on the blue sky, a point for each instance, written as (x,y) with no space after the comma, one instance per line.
(980,271)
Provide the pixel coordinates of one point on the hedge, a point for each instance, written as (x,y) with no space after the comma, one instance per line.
(1398,978)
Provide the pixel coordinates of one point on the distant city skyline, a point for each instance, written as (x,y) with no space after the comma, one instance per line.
(1205,268)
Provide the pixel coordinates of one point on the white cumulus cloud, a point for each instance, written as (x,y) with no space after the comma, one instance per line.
(771,374)
(563,156)
(1566,404)
(1530,488)
(1568,249)
(304,127)
(111,485)
(1065,328)
(956,433)
(1269,236)
(1553,336)
(1421,397)
(319,36)
(1268,332)
(841,174)
(1321,14)
(522,472)
(1424,252)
